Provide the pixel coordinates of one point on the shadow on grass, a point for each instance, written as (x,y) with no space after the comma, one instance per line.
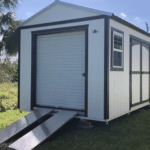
(129,132)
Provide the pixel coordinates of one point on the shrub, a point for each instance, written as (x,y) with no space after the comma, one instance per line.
(3,96)
(9,70)
(2,108)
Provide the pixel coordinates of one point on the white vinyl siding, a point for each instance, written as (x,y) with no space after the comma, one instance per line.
(145,57)
(119,81)
(60,65)
(145,87)
(135,55)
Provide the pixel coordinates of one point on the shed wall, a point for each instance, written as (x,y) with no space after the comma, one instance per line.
(119,80)
(95,67)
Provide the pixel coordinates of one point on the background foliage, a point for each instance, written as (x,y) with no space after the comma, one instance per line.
(8,70)
(9,35)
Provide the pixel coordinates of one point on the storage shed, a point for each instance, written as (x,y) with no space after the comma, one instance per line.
(78,58)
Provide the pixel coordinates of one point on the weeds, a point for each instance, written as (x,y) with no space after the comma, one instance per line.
(8,96)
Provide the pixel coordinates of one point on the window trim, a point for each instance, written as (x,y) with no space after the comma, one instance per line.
(120,33)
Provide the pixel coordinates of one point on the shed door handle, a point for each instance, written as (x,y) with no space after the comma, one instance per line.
(83,74)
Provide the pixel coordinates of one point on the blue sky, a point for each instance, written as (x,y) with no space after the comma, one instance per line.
(135,11)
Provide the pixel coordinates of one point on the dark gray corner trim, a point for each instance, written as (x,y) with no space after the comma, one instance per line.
(140,103)
(106,69)
(139,39)
(119,31)
(118,19)
(86,69)
(34,60)
(149,70)
(19,68)
(63,22)
(116,69)
(130,77)
(113,68)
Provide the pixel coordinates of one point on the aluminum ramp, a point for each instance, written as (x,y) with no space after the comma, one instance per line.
(22,124)
(43,131)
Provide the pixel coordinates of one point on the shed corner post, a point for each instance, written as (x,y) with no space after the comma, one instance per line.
(106,67)
(19,43)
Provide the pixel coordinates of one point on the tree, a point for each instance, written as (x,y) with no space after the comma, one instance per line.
(7,26)
(8,70)
(11,39)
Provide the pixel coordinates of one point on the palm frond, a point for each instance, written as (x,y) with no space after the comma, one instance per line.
(6,18)
(8,4)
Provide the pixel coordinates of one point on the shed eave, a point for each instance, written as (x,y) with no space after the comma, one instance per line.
(128,24)
(65,4)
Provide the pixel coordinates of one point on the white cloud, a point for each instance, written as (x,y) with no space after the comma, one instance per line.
(28,13)
(137,19)
(123,15)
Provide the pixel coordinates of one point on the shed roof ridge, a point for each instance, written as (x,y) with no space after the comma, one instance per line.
(66,4)
(85,8)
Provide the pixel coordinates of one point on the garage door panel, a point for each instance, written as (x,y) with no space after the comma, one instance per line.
(60,65)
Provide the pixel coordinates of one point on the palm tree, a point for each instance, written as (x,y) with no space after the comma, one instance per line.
(6,14)
(7,22)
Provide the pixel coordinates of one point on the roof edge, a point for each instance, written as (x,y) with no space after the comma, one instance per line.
(38,13)
(85,8)
(128,24)
(65,4)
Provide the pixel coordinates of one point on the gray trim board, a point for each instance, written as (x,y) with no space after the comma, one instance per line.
(149,71)
(138,72)
(139,39)
(140,103)
(106,70)
(56,108)
(113,17)
(130,77)
(141,72)
(128,24)
(64,22)
(19,68)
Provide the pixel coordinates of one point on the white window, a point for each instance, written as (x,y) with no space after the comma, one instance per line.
(117,50)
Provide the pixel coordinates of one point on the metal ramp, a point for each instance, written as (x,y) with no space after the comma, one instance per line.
(22,124)
(43,131)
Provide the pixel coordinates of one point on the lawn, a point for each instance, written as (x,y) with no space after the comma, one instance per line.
(8,95)
(9,117)
(125,133)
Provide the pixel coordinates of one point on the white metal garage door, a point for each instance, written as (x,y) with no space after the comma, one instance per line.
(60,65)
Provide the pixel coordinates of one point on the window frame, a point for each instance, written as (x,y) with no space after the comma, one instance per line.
(120,33)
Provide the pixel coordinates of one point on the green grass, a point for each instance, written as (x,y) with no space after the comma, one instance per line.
(9,117)
(125,133)
(8,95)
